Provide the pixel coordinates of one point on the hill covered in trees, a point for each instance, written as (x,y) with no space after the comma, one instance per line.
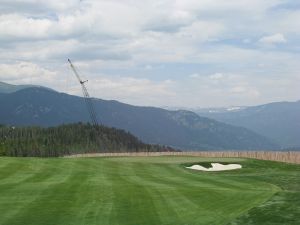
(68,139)
(185,130)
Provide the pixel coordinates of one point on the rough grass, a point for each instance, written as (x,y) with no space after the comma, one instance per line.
(146,191)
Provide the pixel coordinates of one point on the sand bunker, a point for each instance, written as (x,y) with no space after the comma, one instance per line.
(216,167)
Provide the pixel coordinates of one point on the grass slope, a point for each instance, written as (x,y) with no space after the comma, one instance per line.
(144,191)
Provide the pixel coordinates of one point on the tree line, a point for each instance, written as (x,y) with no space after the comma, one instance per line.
(69,139)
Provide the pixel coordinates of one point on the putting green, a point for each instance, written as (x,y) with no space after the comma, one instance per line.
(137,191)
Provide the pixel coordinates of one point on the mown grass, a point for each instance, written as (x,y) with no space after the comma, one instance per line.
(146,191)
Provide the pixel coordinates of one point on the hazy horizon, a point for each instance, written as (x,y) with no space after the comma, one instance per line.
(183,53)
(174,107)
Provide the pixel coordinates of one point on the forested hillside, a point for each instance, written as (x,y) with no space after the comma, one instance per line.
(68,139)
(179,129)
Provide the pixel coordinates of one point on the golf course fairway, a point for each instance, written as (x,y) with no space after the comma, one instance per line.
(146,191)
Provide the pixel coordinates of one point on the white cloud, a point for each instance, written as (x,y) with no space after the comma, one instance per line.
(235,89)
(14,26)
(37,7)
(201,31)
(25,72)
(245,91)
(273,39)
(128,89)
(131,49)
(216,76)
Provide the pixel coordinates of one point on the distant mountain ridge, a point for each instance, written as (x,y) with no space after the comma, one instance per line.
(178,129)
(10,88)
(278,121)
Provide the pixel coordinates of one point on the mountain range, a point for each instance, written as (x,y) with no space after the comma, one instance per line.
(279,121)
(181,129)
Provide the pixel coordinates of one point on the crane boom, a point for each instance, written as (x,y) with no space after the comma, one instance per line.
(87,98)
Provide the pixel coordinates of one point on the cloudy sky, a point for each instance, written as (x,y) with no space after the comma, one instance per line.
(191,53)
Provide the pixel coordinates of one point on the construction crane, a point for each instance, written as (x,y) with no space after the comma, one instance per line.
(87,98)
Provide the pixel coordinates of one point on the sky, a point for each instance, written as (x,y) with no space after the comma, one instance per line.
(178,53)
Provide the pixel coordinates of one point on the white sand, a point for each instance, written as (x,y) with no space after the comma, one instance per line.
(216,167)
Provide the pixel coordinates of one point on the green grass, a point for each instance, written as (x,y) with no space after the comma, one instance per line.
(146,191)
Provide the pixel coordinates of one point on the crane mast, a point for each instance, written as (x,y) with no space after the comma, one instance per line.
(87,98)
